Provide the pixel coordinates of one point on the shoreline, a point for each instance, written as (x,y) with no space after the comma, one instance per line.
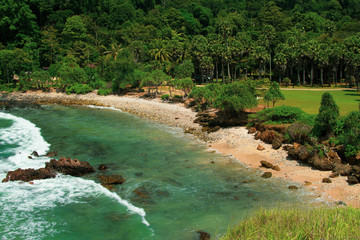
(232,141)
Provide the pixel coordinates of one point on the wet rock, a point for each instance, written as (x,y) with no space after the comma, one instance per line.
(70,166)
(162,193)
(111,179)
(212,162)
(203,235)
(30,174)
(326,180)
(30,157)
(276,168)
(102,167)
(293,187)
(266,164)
(52,154)
(276,144)
(35,154)
(267,175)
(142,193)
(260,148)
(352,180)
(334,175)
(252,130)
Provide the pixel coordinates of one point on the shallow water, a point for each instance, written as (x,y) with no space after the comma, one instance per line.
(182,191)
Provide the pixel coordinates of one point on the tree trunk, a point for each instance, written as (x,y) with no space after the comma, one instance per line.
(270,67)
(322,77)
(304,75)
(202,76)
(229,73)
(223,72)
(234,74)
(358,85)
(298,75)
(341,73)
(335,77)
(217,71)
(312,74)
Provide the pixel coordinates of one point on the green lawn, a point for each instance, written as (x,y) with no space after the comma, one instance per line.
(298,223)
(309,101)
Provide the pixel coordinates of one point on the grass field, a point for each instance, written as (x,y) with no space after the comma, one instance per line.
(309,100)
(298,223)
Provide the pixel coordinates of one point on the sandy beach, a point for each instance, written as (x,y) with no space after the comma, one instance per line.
(233,141)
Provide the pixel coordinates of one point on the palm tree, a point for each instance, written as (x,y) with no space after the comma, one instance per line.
(115,49)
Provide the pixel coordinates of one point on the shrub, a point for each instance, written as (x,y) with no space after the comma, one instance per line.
(103,91)
(326,120)
(273,94)
(234,98)
(184,70)
(298,132)
(165,97)
(348,133)
(287,82)
(282,115)
(78,89)
(97,84)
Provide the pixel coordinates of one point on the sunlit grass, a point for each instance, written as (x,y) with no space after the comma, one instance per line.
(299,223)
(309,101)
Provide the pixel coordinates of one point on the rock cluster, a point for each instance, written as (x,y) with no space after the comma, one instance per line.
(65,166)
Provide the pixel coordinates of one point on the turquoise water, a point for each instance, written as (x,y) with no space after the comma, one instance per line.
(184,192)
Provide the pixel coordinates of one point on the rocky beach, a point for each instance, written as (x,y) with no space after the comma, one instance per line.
(231,141)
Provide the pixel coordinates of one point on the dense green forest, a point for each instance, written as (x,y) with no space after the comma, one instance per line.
(111,44)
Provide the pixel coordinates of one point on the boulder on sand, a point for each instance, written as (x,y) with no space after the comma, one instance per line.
(28,175)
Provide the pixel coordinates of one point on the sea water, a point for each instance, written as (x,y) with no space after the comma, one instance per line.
(183,187)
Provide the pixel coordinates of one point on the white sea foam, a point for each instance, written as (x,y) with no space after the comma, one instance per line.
(100,107)
(21,203)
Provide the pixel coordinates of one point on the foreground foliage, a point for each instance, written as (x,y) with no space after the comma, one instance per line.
(298,223)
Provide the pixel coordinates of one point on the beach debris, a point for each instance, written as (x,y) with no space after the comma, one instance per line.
(260,148)
(35,154)
(326,180)
(293,187)
(266,164)
(276,168)
(203,235)
(267,175)
(214,129)
(306,183)
(334,175)
(102,167)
